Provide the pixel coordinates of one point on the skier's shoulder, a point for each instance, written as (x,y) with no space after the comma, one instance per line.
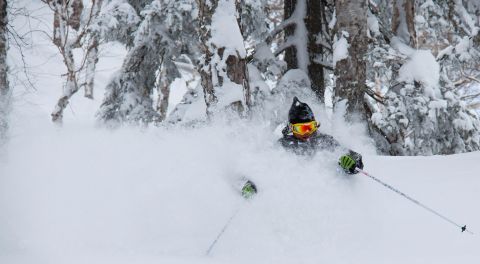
(326,141)
(287,140)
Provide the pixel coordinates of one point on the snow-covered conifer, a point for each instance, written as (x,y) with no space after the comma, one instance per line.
(160,38)
(419,110)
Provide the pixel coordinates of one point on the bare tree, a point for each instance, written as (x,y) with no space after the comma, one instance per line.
(350,71)
(91,56)
(68,34)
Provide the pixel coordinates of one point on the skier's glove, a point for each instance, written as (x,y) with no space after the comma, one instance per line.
(348,163)
(249,190)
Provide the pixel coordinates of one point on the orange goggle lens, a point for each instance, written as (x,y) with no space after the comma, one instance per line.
(304,128)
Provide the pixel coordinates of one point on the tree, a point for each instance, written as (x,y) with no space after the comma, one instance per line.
(349,55)
(127,96)
(222,67)
(4,87)
(164,33)
(71,31)
(306,26)
(403,21)
(420,110)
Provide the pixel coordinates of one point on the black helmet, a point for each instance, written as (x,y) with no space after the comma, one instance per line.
(300,112)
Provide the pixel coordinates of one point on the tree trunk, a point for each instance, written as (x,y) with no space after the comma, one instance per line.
(91,63)
(168,73)
(211,68)
(4,88)
(237,67)
(312,22)
(92,55)
(127,96)
(291,52)
(403,23)
(205,13)
(75,18)
(350,72)
(62,13)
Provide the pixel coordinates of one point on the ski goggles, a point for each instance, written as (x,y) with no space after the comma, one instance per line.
(303,129)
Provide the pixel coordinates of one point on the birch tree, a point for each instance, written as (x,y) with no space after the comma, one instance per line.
(71,32)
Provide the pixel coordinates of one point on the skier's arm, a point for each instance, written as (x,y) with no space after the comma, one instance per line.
(327,142)
(350,161)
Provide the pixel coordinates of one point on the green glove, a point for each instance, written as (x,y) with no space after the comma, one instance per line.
(249,190)
(347,163)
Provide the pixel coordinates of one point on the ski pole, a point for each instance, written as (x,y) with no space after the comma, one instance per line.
(210,248)
(463,228)
(249,190)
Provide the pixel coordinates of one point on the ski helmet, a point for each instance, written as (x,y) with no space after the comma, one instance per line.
(300,112)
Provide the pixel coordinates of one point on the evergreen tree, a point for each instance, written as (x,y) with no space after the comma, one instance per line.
(421,112)
(149,64)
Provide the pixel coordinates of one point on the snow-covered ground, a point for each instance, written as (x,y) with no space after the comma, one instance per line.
(80,195)
(85,194)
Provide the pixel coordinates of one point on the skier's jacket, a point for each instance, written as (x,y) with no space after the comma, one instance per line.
(316,142)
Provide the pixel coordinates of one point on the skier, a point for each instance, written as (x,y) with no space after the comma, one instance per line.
(301,137)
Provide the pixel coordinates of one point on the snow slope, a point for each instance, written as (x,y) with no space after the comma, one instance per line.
(84,194)
(80,195)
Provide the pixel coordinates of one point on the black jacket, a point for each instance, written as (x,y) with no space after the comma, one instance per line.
(316,142)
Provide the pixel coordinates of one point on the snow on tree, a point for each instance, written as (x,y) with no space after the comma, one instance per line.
(417,109)
(76,27)
(423,116)
(4,86)
(222,67)
(191,109)
(403,21)
(127,95)
(149,64)
(116,21)
(66,14)
(182,23)
(306,29)
(454,43)
(252,20)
